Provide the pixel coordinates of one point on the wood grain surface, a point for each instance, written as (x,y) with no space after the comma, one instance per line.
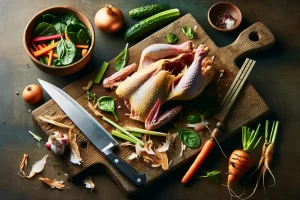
(248,108)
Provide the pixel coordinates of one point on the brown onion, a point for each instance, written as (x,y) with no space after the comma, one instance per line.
(109,19)
(32,94)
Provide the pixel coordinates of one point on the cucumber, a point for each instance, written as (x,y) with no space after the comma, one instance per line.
(146,11)
(142,28)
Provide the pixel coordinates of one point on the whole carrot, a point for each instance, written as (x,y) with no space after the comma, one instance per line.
(266,156)
(208,146)
(241,161)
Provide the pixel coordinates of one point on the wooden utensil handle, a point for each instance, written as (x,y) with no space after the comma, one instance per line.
(255,37)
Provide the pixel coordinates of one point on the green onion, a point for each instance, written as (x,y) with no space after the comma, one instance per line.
(140,130)
(38,138)
(123,130)
(122,136)
(101,72)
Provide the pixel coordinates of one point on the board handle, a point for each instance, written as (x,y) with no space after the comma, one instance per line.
(255,37)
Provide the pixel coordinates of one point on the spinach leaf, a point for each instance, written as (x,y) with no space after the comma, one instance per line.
(194,118)
(189,138)
(82,37)
(44,29)
(121,59)
(51,19)
(60,27)
(69,18)
(188,32)
(79,26)
(212,176)
(77,34)
(66,51)
(107,103)
(56,62)
(172,38)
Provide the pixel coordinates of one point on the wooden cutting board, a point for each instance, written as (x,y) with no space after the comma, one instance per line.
(249,106)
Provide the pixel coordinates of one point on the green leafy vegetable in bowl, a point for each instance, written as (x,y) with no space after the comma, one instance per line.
(172,38)
(74,38)
(66,51)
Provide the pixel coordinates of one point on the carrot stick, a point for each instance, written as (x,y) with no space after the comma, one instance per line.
(40,46)
(82,46)
(44,50)
(34,46)
(208,146)
(50,58)
(31,50)
(84,52)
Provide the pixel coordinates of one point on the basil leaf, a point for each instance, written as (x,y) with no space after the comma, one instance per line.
(82,37)
(44,29)
(107,103)
(172,38)
(121,59)
(66,51)
(51,19)
(188,32)
(189,138)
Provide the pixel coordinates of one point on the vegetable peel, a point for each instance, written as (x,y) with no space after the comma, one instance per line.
(88,86)
(37,167)
(53,183)
(75,157)
(89,183)
(54,122)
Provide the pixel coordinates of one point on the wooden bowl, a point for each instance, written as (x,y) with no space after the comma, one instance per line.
(224,7)
(61,70)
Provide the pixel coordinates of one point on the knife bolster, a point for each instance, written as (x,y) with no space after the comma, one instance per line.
(218,130)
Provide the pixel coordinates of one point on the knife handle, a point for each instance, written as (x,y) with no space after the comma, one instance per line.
(126,170)
(218,130)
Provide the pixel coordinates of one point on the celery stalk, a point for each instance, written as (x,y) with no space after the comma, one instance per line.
(140,130)
(122,136)
(123,130)
(101,72)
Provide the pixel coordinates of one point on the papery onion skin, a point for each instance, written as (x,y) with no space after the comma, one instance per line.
(109,19)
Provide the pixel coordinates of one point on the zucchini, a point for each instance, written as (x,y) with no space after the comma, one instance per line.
(146,11)
(143,27)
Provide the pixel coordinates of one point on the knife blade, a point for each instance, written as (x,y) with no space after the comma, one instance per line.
(221,115)
(100,138)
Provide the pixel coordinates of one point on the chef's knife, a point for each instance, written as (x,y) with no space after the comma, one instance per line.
(93,131)
(224,109)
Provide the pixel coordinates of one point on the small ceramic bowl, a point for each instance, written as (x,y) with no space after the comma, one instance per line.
(220,8)
(61,70)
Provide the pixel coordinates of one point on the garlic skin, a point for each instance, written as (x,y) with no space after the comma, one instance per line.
(57,142)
